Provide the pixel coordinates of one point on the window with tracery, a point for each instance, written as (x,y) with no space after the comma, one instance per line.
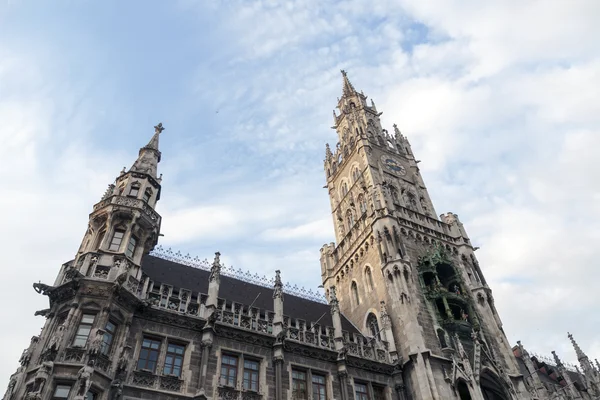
(354,291)
(373,325)
(369,278)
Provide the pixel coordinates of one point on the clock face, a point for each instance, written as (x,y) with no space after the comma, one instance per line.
(393,165)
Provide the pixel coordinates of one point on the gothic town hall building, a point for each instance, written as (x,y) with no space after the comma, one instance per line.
(407,312)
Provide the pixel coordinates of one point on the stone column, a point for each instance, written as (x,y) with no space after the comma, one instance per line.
(387,331)
(280,333)
(343,377)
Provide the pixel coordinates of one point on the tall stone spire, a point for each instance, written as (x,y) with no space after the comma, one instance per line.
(578,351)
(149,155)
(348,89)
(592,379)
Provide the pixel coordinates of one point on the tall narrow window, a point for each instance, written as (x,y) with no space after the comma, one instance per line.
(361,391)
(318,387)
(378,393)
(134,191)
(117,239)
(251,375)
(229,366)
(107,339)
(354,290)
(373,325)
(83,331)
(174,359)
(131,246)
(149,354)
(147,195)
(61,392)
(299,391)
(369,278)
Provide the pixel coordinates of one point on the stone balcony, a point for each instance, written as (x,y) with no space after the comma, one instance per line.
(130,202)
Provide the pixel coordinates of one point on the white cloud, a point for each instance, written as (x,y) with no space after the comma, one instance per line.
(501,105)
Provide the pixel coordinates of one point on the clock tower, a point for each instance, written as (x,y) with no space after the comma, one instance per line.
(404,277)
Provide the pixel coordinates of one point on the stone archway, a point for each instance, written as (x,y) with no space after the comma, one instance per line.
(463,390)
(492,387)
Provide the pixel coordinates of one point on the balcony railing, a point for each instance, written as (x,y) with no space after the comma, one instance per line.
(130,202)
(150,380)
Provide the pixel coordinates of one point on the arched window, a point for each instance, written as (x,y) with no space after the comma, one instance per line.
(369,278)
(373,326)
(354,291)
(350,219)
(134,190)
(362,204)
(355,174)
(147,194)
(344,189)
(463,390)
(394,193)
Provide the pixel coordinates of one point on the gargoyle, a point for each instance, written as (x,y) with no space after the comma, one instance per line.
(43,312)
(281,336)
(42,288)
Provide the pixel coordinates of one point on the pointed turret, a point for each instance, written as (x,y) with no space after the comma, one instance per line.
(591,378)
(578,351)
(348,89)
(149,155)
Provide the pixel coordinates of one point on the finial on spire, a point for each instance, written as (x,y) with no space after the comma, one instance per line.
(333,301)
(278,286)
(149,155)
(215,270)
(348,89)
(328,153)
(556,359)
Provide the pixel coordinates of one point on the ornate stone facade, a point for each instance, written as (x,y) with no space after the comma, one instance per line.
(407,312)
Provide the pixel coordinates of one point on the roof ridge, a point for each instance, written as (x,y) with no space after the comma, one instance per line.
(239,274)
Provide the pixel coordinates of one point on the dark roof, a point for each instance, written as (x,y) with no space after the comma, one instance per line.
(545,378)
(238,291)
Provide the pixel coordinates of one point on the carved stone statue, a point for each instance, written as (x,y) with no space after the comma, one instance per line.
(25,357)
(96,343)
(281,336)
(57,338)
(278,286)
(212,318)
(10,389)
(123,360)
(116,387)
(215,270)
(342,353)
(84,378)
(41,377)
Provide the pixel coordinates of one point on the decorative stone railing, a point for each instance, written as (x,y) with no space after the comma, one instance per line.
(132,203)
(150,380)
(74,355)
(247,320)
(245,276)
(225,392)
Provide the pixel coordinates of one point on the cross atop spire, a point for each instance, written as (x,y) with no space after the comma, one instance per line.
(149,155)
(348,89)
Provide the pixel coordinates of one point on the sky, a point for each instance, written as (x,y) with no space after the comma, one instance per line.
(500,101)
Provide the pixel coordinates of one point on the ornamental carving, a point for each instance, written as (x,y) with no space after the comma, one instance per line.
(278,286)
(215,271)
